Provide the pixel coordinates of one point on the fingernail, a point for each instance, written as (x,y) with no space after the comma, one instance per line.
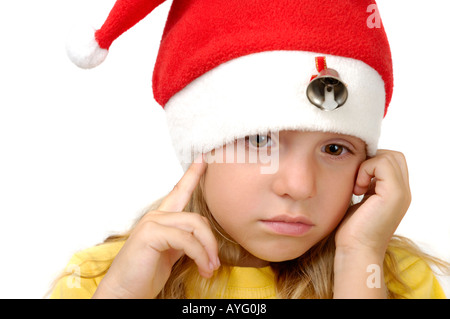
(211,266)
(217,262)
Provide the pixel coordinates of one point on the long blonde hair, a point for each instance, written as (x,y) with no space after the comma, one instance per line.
(309,276)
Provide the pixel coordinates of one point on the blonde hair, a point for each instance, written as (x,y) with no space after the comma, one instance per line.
(309,276)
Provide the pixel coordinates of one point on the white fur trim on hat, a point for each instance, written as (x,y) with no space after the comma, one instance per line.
(265,92)
(83,50)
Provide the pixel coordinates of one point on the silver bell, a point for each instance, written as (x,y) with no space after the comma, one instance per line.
(327,91)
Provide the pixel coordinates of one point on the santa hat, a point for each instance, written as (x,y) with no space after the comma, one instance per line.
(231,68)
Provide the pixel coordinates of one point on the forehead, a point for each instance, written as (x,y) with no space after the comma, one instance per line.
(319,135)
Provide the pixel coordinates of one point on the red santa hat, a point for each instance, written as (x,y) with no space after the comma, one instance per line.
(228,69)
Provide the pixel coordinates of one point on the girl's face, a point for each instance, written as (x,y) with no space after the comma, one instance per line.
(278,216)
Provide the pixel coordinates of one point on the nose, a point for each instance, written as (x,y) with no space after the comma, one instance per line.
(296,176)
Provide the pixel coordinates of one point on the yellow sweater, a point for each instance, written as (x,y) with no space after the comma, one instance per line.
(243,283)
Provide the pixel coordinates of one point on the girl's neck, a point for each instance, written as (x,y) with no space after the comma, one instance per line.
(251,261)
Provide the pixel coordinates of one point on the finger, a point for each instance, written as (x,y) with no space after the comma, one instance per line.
(179,197)
(399,164)
(400,160)
(385,168)
(194,224)
(364,178)
(379,168)
(165,238)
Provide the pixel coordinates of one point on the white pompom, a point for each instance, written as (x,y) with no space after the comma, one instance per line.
(83,49)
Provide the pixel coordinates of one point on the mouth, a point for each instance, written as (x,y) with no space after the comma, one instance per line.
(288,226)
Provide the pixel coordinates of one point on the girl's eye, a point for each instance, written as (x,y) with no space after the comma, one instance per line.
(259,140)
(335,149)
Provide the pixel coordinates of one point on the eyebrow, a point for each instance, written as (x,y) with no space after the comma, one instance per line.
(355,142)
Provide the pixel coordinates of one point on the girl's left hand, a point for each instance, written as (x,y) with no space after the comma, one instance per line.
(370,224)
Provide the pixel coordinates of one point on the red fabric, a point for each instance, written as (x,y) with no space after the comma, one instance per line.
(201,34)
(124,15)
(321,63)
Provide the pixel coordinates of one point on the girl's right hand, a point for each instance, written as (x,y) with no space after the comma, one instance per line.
(161,237)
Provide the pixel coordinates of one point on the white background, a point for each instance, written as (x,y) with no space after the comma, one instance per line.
(83,152)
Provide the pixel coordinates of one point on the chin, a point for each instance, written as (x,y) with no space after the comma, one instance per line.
(280,255)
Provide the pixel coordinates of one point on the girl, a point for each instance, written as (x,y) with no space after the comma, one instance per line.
(281,105)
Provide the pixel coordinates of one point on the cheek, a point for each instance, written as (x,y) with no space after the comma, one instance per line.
(234,194)
(229,189)
(337,193)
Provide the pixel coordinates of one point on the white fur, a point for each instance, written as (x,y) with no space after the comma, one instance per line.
(83,50)
(267,92)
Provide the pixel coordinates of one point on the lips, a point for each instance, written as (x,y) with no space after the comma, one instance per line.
(288,225)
